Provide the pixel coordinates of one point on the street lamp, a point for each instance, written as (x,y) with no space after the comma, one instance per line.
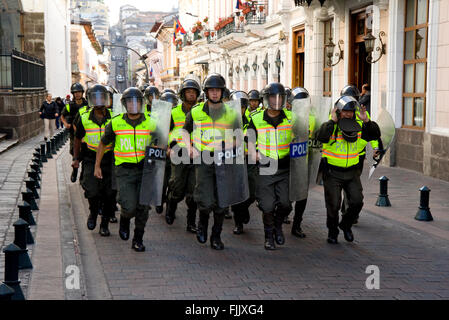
(278,62)
(330,52)
(369,46)
(141,57)
(266,65)
(254,65)
(246,66)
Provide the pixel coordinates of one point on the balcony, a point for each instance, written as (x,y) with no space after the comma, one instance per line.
(256,12)
(19,71)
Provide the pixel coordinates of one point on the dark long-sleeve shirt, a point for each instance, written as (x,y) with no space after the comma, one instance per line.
(49,110)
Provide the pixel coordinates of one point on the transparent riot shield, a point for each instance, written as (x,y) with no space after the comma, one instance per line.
(117,107)
(156,155)
(319,113)
(299,179)
(229,160)
(387,132)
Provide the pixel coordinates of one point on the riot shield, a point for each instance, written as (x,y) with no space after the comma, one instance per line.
(155,155)
(299,184)
(387,132)
(229,160)
(319,114)
(117,107)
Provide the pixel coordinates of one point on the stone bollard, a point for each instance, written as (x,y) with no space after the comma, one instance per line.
(6,292)
(20,240)
(423,213)
(31,184)
(27,196)
(12,253)
(37,160)
(382,200)
(43,153)
(26,214)
(35,176)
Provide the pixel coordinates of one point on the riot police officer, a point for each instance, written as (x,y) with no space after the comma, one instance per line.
(90,127)
(151,93)
(170,97)
(352,91)
(207,122)
(130,133)
(182,180)
(71,110)
(299,93)
(340,163)
(273,132)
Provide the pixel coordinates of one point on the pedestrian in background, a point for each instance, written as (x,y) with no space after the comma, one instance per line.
(60,104)
(67,99)
(49,112)
(365,97)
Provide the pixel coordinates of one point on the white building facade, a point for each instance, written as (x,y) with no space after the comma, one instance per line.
(289,41)
(57,42)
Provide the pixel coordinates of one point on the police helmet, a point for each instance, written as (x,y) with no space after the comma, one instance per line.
(347,103)
(350,90)
(274,96)
(242,96)
(132,100)
(168,90)
(152,91)
(189,84)
(144,87)
(226,94)
(98,96)
(111,95)
(214,81)
(254,95)
(76,87)
(298,93)
(170,97)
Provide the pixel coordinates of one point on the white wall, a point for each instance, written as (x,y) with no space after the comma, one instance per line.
(57,42)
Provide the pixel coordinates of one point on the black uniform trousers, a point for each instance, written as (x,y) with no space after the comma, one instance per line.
(335,180)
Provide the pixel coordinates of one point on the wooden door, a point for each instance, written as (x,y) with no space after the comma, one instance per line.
(298,58)
(359,68)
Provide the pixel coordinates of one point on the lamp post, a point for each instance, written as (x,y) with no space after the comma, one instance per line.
(141,57)
(278,62)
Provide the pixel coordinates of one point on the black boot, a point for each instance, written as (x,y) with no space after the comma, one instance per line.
(347,232)
(269,241)
(278,234)
(104,230)
(238,229)
(215,239)
(201,232)
(160,209)
(170,213)
(215,242)
(124,228)
(94,209)
(113,219)
(332,236)
(296,228)
(137,244)
(191,217)
(228,214)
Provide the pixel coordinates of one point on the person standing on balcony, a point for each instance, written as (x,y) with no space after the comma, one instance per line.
(49,112)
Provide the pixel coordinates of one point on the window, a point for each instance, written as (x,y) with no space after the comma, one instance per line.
(415,64)
(327,70)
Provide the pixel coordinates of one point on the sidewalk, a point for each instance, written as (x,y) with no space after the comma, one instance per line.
(14,164)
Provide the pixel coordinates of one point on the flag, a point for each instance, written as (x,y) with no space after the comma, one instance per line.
(151,71)
(179,27)
(174,31)
(239,5)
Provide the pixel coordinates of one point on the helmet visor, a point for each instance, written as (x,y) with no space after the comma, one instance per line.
(133,105)
(275,101)
(98,99)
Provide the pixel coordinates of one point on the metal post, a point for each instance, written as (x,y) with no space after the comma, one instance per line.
(20,240)
(48,154)
(27,196)
(53,146)
(43,153)
(31,184)
(26,214)
(383,200)
(12,253)
(6,292)
(423,213)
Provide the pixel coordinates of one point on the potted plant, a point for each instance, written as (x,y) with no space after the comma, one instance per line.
(194,29)
(206,20)
(242,18)
(212,33)
(261,8)
(206,33)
